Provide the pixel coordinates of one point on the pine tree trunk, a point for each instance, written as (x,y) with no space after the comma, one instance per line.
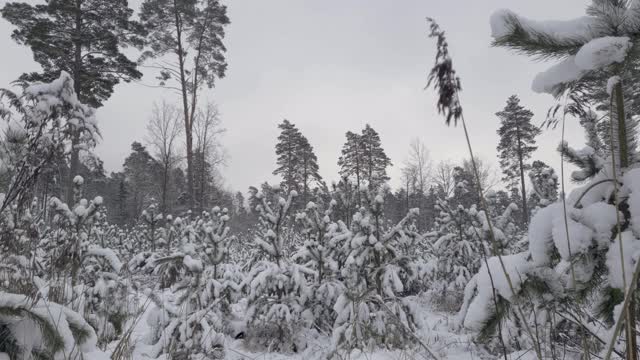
(165,180)
(305,179)
(203,179)
(290,167)
(358,178)
(408,196)
(622,127)
(77,68)
(371,186)
(525,215)
(188,125)
(525,211)
(624,163)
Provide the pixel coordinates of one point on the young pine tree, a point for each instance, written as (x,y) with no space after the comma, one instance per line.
(35,129)
(278,289)
(587,231)
(375,309)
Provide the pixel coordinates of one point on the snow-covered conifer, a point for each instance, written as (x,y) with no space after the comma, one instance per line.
(319,253)
(374,309)
(544,182)
(278,288)
(204,286)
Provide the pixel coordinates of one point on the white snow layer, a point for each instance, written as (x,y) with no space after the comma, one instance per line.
(586,226)
(109,255)
(579,28)
(580,236)
(480,308)
(540,234)
(563,72)
(631,250)
(602,52)
(596,53)
(613,81)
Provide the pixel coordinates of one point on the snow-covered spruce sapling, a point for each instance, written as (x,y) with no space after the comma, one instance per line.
(25,288)
(458,252)
(278,290)
(68,238)
(374,309)
(199,316)
(87,275)
(38,125)
(152,219)
(31,326)
(318,253)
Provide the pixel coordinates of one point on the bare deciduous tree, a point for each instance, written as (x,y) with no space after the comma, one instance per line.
(164,129)
(416,172)
(443,178)
(420,161)
(488,173)
(409,182)
(207,130)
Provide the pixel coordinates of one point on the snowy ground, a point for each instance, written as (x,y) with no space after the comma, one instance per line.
(436,332)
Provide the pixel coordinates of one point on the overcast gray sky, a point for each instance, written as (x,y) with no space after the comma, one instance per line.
(333,66)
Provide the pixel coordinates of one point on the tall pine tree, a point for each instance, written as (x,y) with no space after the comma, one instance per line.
(351,160)
(84,38)
(308,172)
(287,153)
(192,32)
(517,143)
(141,172)
(364,158)
(297,163)
(376,160)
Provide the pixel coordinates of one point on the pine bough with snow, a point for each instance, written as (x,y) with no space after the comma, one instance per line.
(566,290)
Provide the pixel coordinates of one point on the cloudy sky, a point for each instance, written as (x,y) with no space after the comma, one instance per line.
(334,66)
